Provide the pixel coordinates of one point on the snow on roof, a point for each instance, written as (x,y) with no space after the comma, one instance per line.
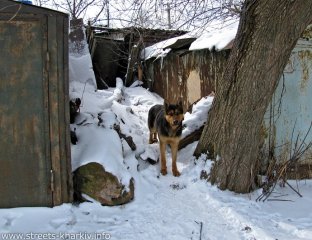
(218,38)
(217,35)
(161,49)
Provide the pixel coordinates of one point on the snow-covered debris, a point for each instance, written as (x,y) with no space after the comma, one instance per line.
(100,145)
(116,96)
(97,141)
(151,152)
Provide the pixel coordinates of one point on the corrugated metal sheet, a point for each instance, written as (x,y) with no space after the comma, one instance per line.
(34,116)
(290,113)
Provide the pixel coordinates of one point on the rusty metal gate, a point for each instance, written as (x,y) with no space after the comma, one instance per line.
(34,146)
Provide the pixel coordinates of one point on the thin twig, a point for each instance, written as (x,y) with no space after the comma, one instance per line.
(278,178)
(293,189)
(292,135)
(270,192)
(19,8)
(294,156)
(280,200)
(201,229)
(281,195)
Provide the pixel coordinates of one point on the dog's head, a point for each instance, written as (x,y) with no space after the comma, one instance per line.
(74,105)
(174,113)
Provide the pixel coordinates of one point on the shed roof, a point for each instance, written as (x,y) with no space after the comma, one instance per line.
(218,36)
(149,36)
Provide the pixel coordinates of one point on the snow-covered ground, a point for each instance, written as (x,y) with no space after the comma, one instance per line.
(164,207)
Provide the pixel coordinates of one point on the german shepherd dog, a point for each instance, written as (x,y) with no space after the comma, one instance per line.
(166,122)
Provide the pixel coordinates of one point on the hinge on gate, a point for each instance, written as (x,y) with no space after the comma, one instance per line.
(52,180)
(48,61)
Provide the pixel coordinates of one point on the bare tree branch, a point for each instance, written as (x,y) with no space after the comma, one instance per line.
(184,14)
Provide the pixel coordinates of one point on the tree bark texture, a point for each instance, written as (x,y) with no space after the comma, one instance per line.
(267,33)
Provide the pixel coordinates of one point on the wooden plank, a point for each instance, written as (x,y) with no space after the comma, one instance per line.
(54,110)
(64,131)
(69,180)
(194,136)
(59,110)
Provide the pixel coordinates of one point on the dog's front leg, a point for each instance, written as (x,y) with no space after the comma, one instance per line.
(174,150)
(162,146)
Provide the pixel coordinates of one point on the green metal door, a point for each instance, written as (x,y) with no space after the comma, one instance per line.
(24,124)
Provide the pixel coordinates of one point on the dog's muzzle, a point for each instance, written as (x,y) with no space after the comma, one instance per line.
(176,122)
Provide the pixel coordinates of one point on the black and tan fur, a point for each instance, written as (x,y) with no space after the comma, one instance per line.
(166,122)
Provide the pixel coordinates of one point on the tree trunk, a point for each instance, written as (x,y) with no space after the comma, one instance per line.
(268,31)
